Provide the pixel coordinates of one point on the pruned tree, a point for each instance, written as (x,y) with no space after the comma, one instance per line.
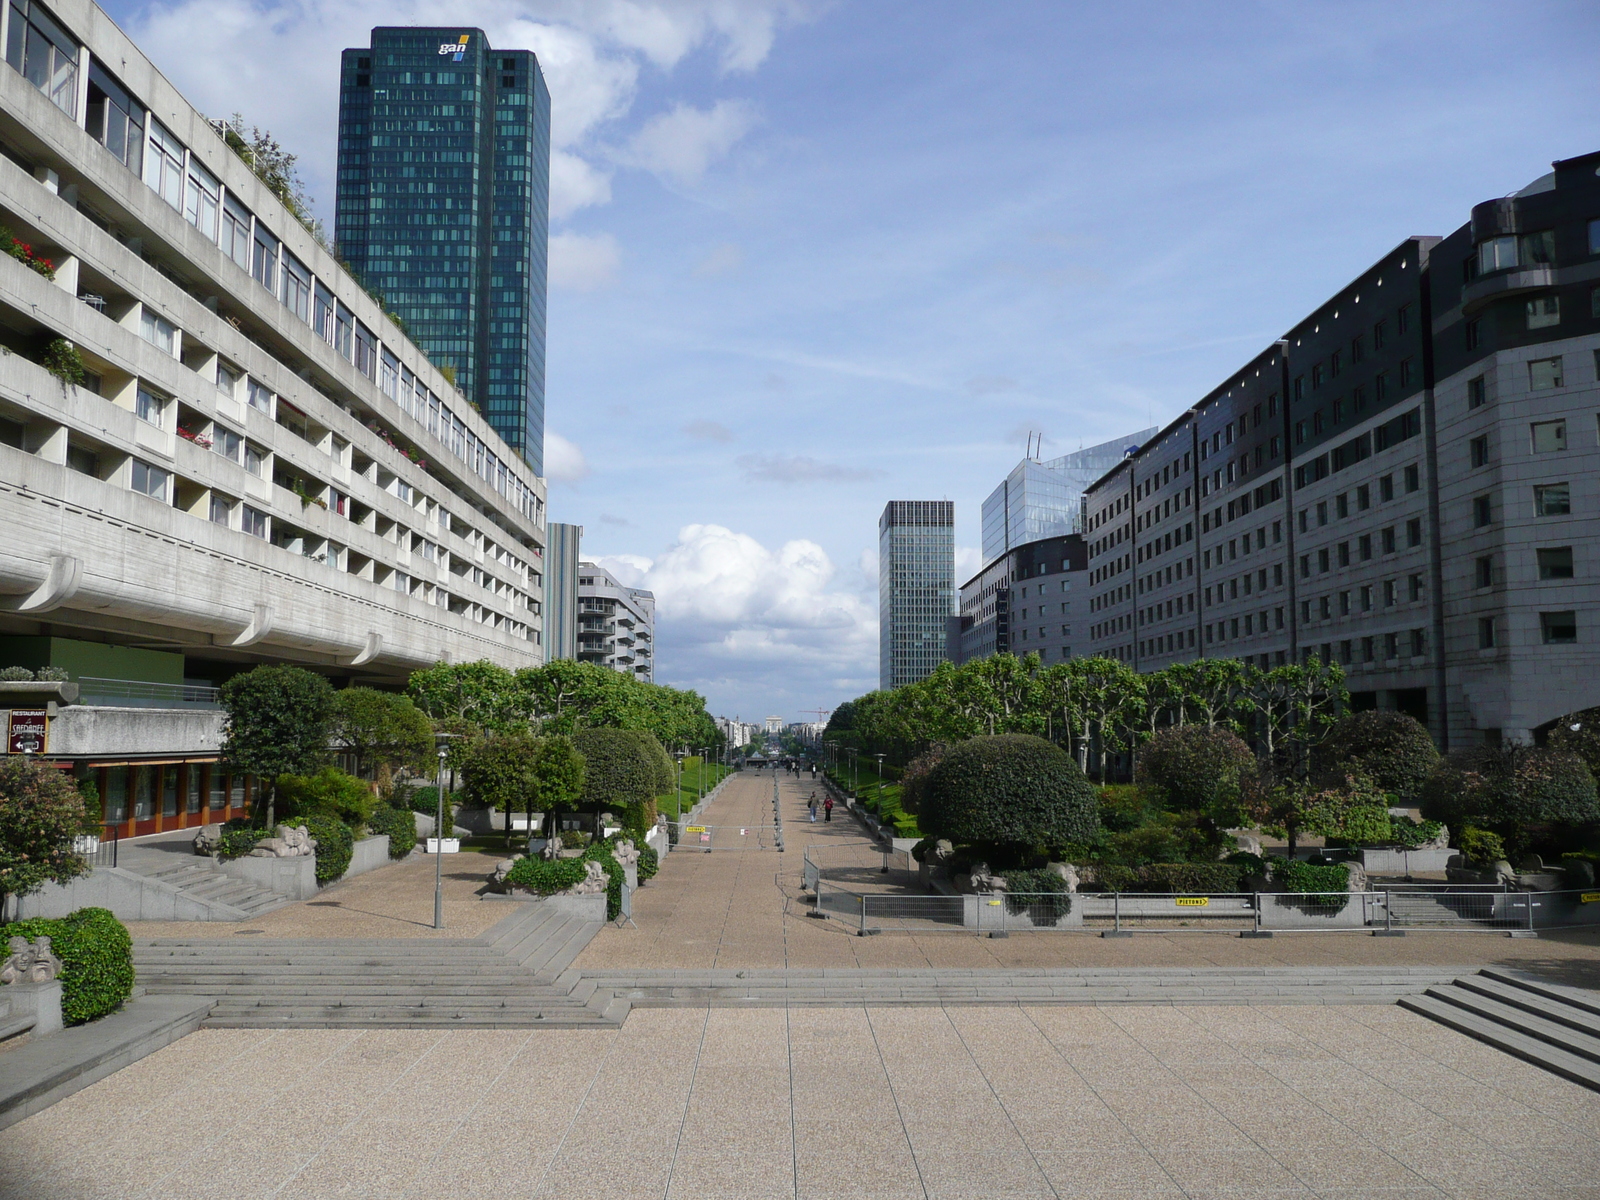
(40,813)
(381,729)
(276,723)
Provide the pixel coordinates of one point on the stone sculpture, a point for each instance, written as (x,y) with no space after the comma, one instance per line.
(30,962)
(985,881)
(497,877)
(1245,844)
(552,848)
(594,883)
(625,852)
(291,842)
(209,839)
(1438,842)
(1067,872)
(1358,877)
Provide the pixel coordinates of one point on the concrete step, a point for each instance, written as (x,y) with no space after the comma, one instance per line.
(1561,1012)
(1540,1053)
(1562,1036)
(1578,998)
(325,1017)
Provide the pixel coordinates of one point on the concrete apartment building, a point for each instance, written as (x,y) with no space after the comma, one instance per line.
(1397,485)
(1022,603)
(916,588)
(616,623)
(259,466)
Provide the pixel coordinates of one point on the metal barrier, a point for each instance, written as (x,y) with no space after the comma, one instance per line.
(98,850)
(134,693)
(695,836)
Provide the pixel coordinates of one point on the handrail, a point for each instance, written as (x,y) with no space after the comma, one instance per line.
(138,689)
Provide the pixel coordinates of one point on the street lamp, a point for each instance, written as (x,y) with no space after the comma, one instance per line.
(879,757)
(438,844)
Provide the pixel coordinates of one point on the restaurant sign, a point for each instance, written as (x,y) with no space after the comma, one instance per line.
(27,731)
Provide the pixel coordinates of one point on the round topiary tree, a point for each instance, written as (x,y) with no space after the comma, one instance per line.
(1393,750)
(1010,794)
(1197,768)
(1510,789)
(620,772)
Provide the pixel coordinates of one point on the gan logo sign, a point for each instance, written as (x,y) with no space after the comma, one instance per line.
(457,49)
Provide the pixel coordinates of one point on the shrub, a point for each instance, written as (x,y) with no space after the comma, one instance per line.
(649,863)
(1295,875)
(1579,733)
(1010,790)
(1169,837)
(330,792)
(546,877)
(1197,767)
(15,675)
(1411,833)
(236,843)
(399,824)
(1480,847)
(915,777)
(1392,749)
(40,813)
(600,852)
(620,768)
(1123,808)
(61,359)
(335,845)
(1365,825)
(1180,878)
(96,955)
(1509,788)
(425,800)
(1041,889)
(52,675)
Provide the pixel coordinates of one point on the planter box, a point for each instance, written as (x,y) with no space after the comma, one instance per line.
(1405,862)
(990,913)
(443,846)
(295,878)
(368,854)
(1288,910)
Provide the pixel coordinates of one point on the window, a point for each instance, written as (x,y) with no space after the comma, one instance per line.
(227,443)
(1549,436)
(1476,397)
(1322,513)
(1363,497)
(1402,318)
(1322,560)
(200,200)
(1414,532)
(255,458)
(1325,607)
(1385,488)
(1405,372)
(235,240)
(1365,546)
(322,313)
(219,510)
(1594,236)
(1366,598)
(1480,451)
(1367,654)
(148,406)
(1558,628)
(1419,643)
(1483,572)
(1344,554)
(1538,249)
(1380,335)
(253,521)
(1552,500)
(150,481)
(1555,563)
(158,331)
(264,262)
(1497,254)
(115,119)
(1473,331)
(258,395)
(344,323)
(296,287)
(1414,588)
(1544,311)
(163,165)
(1387,537)
(45,54)
(1544,373)
(366,359)
(1305,566)
(1389,593)
(1391,645)
(1481,513)
(1413,478)
(1485,633)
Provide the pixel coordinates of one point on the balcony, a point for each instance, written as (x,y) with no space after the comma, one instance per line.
(1501,284)
(132,693)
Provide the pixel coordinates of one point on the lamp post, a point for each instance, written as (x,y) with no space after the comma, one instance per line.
(438,846)
(879,757)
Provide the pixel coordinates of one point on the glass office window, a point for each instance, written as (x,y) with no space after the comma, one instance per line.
(236,221)
(115,119)
(264,260)
(163,165)
(45,53)
(296,287)
(201,200)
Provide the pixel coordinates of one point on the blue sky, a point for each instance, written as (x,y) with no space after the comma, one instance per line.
(811,257)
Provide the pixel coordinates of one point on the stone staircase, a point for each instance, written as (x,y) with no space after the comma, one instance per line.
(516,975)
(1547,1024)
(197,878)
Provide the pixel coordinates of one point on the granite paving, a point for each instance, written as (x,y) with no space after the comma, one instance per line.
(862,1102)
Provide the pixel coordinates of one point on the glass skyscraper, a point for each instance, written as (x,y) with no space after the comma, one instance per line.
(916,588)
(444,209)
(1045,499)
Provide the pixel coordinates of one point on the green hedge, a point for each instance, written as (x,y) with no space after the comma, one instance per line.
(399,824)
(546,876)
(237,842)
(649,863)
(1300,876)
(97,958)
(1035,889)
(600,852)
(1180,878)
(335,845)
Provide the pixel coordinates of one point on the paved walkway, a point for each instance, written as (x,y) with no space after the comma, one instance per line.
(862,1103)
(732,909)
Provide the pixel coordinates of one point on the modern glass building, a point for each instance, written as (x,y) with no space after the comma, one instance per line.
(1045,499)
(916,588)
(444,209)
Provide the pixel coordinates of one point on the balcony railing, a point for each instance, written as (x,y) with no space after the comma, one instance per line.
(133,693)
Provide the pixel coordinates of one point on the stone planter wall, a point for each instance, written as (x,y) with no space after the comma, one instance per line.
(369,854)
(295,878)
(1405,862)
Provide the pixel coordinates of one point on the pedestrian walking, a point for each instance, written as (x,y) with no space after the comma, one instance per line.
(812,805)
(827,809)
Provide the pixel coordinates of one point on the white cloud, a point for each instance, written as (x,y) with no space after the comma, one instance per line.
(684,141)
(575,183)
(729,608)
(583,262)
(797,468)
(563,460)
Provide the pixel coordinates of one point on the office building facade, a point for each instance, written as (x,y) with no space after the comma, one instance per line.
(616,624)
(1045,499)
(1022,603)
(562,556)
(916,588)
(215,451)
(443,208)
(1399,484)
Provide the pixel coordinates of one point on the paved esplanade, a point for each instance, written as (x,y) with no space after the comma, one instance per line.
(1366,1102)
